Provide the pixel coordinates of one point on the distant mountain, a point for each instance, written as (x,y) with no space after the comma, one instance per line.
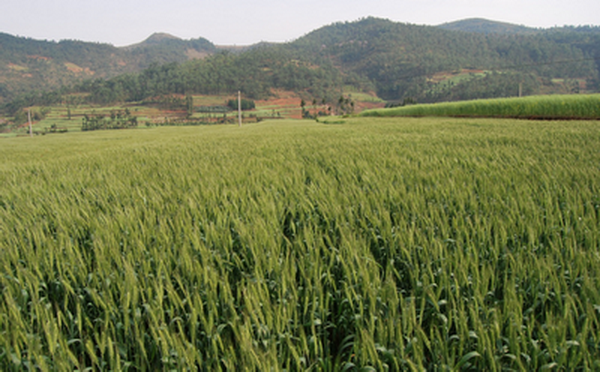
(484,26)
(178,49)
(28,64)
(403,60)
(165,48)
(395,60)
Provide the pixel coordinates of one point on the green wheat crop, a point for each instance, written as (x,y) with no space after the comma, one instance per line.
(572,106)
(398,244)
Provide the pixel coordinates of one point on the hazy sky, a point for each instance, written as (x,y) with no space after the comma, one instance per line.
(124,22)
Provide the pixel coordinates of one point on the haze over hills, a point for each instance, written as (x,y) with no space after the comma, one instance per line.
(472,58)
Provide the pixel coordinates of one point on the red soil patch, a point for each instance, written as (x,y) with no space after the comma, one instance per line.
(288,102)
(77,70)
(361,106)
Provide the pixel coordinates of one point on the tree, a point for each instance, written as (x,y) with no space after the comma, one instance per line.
(302,106)
(345,105)
(189,103)
(247,104)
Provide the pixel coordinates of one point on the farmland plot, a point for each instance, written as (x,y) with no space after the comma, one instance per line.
(380,243)
(551,107)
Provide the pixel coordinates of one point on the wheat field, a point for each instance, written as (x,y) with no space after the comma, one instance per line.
(377,244)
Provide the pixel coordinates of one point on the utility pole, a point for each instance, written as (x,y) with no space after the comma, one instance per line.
(30,127)
(239,108)
(520,89)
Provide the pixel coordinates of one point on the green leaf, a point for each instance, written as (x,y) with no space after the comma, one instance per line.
(467,357)
(549,366)
(368,369)
(348,366)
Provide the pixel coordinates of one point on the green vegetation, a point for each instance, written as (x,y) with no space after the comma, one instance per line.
(36,114)
(30,67)
(398,59)
(394,60)
(256,73)
(245,104)
(534,107)
(220,109)
(484,85)
(158,111)
(116,120)
(485,26)
(401,244)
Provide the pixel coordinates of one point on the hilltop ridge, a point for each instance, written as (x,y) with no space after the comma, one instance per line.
(156,38)
(486,26)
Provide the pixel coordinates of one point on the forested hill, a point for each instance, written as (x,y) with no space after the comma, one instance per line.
(27,64)
(396,61)
(403,60)
(170,47)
